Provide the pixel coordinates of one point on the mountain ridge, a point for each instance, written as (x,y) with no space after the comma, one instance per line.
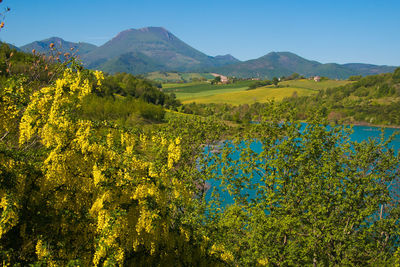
(149,49)
(277,64)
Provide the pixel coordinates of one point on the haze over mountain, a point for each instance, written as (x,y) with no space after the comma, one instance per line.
(149,49)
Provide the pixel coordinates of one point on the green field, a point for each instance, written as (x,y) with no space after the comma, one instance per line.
(169,87)
(237,93)
(261,95)
(311,84)
(176,77)
(189,92)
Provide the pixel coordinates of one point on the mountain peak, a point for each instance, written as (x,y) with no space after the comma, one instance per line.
(282,53)
(225,56)
(150,32)
(153,29)
(54,39)
(226,59)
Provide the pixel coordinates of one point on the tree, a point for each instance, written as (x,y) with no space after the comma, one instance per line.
(294,76)
(306,196)
(396,75)
(216,80)
(275,81)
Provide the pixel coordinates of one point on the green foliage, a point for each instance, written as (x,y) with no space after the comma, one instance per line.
(128,85)
(123,110)
(372,99)
(396,75)
(354,78)
(216,80)
(275,81)
(309,197)
(293,76)
(35,68)
(257,84)
(177,77)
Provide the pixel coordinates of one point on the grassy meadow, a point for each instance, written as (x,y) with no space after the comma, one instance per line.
(238,93)
(261,95)
(177,77)
(188,92)
(311,84)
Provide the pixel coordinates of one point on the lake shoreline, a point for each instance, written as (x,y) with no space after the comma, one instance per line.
(372,125)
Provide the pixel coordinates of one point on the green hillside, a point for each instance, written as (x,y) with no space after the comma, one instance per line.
(133,62)
(373,99)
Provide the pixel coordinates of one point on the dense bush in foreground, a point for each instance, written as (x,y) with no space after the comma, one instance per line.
(80,189)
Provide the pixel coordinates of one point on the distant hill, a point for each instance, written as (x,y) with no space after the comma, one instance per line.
(368,69)
(277,64)
(60,44)
(150,49)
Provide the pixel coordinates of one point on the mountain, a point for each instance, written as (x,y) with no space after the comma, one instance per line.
(150,49)
(131,62)
(277,64)
(60,44)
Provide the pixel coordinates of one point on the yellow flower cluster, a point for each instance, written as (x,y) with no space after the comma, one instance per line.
(263,262)
(41,250)
(174,152)
(99,76)
(221,251)
(9,216)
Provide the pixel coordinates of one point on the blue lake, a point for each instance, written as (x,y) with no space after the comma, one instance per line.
(360,133)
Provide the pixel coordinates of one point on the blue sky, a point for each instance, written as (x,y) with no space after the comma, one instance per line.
(341,31)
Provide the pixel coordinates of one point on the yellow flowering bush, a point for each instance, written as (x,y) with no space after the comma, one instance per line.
(101,194)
